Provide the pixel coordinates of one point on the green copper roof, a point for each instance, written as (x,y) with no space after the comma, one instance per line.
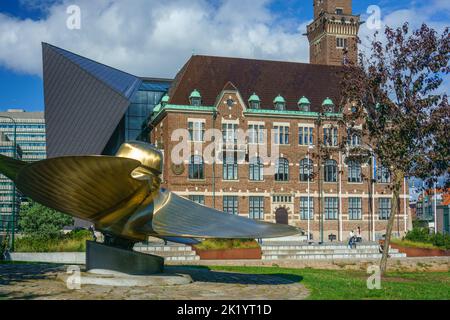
(159,111)
(195,94)
(254,98)
(165,99)
(156,109)
(279,99)
(304,100)
(328,102)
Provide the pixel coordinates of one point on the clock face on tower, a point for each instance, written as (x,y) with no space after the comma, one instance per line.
(230,103)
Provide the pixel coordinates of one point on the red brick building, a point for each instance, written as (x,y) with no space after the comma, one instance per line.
(292,108)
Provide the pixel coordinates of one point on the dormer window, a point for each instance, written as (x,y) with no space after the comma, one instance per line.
(279,103)
(195,98)
(304,104)
(328,105)
(254,102)
(165,100)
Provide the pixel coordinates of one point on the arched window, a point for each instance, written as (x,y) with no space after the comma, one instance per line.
(282,170)
(256,169)
(354,139)
(196,168)
(306,170)
(354,171)
(330,173)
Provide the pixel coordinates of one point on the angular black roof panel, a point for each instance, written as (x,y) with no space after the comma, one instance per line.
(84,103)
(124,83)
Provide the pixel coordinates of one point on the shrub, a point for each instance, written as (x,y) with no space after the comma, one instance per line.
(423,235)
(43,223)
(74,241)
(418,234)
(223,244)
(4,244)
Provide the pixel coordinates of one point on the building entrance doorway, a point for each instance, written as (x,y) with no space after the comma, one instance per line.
(281,216)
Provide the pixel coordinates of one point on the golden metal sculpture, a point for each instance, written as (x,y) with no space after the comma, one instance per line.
(121,196)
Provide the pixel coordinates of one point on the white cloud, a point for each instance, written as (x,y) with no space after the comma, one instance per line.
(155,38)
(152,37)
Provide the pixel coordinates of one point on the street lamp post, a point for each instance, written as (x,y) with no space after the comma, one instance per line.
(309,195)
(13,231)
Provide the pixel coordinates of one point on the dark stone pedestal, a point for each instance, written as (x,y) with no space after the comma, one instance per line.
(100,256)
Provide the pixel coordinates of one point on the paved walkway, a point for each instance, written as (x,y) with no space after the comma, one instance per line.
(394,264)
(38,281)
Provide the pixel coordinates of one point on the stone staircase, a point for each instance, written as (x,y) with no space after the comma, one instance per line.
(328,251)
(170,252)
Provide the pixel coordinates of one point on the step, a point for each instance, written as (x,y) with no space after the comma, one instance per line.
(325,251)
(306,247)
(170,252)
(162,248)
(329,256)
(182,258)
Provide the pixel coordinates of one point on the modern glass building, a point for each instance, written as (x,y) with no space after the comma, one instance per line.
(91,108)
(30,134)
(9,198)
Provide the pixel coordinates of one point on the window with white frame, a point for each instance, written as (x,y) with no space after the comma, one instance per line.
(330,172)
(305,136)
(281,199)
(353,138)
(341,43)
(384,208)
(330,136)
(230,204)
(383,175)
(229,132)
(256,169)
(196,168)
(306,170)
(354,171)
(200,199)
(305,208)
(331,208)
(281,134)
(256,208)
(354,208)
(230,166)
(282,169)
(256,133)
(196,131)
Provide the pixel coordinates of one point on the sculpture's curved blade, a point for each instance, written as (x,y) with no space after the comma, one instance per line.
(178,217)
(10,167)
(88,187)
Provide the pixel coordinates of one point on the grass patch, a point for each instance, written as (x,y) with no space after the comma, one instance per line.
(71,242)
(351,285)
(222,244)
(415,244)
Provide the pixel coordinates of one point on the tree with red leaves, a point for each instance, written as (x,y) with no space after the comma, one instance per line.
(397,90)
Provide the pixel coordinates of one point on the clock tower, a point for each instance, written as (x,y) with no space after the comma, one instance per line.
(333,33)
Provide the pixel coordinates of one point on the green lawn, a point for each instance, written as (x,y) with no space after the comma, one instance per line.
(343,284)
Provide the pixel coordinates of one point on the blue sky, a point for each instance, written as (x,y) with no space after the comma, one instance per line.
(155,38)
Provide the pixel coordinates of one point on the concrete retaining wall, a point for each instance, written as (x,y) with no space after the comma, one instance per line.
(50,257)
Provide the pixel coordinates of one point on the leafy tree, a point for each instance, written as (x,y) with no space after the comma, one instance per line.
(396,89)
(41,222)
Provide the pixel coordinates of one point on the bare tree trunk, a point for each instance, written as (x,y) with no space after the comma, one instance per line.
(398,178)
